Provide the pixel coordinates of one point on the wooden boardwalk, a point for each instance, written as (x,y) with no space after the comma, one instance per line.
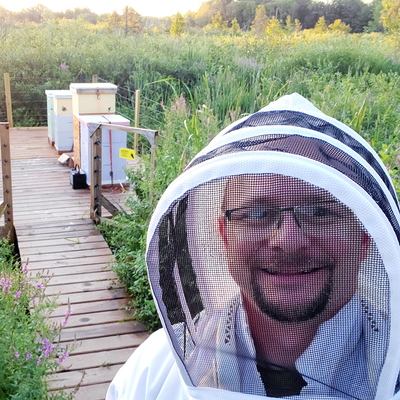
(55,233)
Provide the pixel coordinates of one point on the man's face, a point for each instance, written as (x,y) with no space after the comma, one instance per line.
(292,248)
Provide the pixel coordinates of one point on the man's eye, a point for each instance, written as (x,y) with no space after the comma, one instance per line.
(255,214)
(259,213)
(320,212)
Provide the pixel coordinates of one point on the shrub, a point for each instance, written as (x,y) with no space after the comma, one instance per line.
(28,341)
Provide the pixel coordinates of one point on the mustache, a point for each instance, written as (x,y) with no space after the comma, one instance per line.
(293,261)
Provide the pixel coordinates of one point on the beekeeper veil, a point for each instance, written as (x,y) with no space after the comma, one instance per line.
(273,260)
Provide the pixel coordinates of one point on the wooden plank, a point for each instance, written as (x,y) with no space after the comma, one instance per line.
(103,330)
(91,277)
(90,308)
(83,287)
(58,235)
(68,240)
(81,269)
(69,255)
(7,181)
(128,340)
(56,201)
(70,262)
(53,217)
(93,360)
(109,206)
(70,209)
(85,297)
(98,318)
(137,113)
(92,392)
(69,379)
(61,224)
(75,247)
(8,99)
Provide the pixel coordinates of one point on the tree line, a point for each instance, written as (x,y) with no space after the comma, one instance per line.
(239,15)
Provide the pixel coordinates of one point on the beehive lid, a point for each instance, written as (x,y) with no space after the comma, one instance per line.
(97,118)
(62,94)
(116,119)
(49,93)
(93,88)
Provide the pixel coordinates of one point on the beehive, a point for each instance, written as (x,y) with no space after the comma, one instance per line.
(110,148)
(63,124)
(93,98)
(90,99)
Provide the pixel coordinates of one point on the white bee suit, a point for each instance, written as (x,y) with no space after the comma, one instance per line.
(225,282)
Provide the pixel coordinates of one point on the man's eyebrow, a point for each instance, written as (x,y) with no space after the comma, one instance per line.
(266,200)
(320,199)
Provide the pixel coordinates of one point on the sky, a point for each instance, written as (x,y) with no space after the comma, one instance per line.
(148,8)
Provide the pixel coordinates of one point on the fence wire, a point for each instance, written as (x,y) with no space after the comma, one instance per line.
(29,104)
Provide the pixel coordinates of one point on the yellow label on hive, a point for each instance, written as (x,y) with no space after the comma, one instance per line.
(129,154)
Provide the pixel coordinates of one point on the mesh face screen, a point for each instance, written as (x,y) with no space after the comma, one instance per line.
(314,149)
(271,286)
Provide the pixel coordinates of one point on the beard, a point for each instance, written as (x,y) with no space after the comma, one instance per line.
(298,313)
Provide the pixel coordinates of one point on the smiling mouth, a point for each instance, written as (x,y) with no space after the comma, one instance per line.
(291,273)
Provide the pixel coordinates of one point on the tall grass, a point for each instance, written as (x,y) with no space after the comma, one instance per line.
(194,85)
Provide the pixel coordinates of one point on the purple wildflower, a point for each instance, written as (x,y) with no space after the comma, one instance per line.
(17,354)
(39,286)
(7,285)
(63,65)
(62,357)
(18,294)
(28,356)
(68,313)
(47,347)
(39,361)
(24,268)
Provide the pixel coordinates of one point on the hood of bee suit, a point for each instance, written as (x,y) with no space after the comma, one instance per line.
(274,262)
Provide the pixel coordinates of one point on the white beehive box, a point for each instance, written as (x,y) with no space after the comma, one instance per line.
(63,121)
(110,152)
(50,115)
(93,98)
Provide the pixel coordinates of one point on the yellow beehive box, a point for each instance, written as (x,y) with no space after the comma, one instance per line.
(93,98)
(62,102)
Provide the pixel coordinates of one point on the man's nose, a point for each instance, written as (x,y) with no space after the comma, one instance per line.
(288,235)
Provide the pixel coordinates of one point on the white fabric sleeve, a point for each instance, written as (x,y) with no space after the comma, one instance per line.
(149,374)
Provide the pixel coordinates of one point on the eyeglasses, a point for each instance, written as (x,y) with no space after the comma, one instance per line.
(316,218)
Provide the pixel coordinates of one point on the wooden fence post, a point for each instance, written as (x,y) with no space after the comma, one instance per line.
(8,99)
(7,184)
(137,109)
(95,181)
(94,78)
(153,162)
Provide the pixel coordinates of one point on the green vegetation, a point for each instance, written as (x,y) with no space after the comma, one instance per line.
(28,342)
(192,85)
(359,15)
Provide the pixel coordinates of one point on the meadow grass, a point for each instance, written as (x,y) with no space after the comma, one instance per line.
(194,85)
